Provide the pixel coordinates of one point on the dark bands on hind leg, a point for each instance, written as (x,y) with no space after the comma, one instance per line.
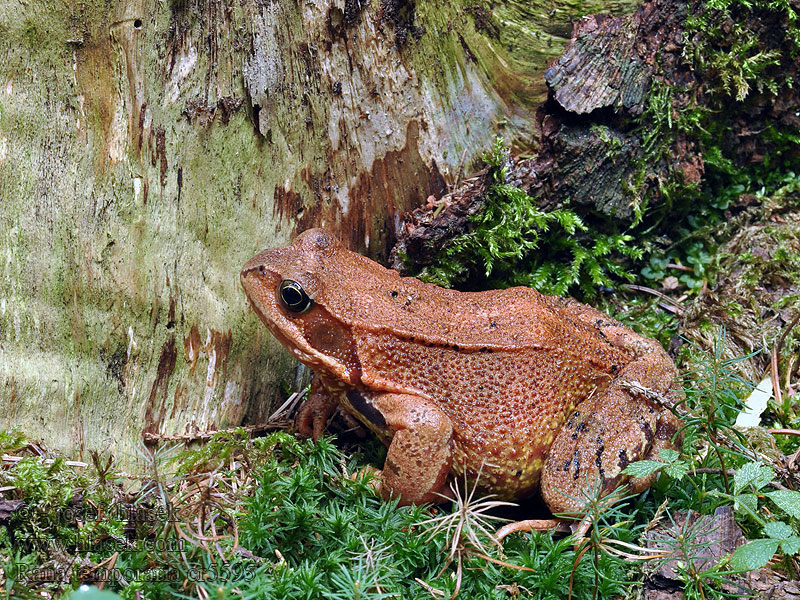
(604,434)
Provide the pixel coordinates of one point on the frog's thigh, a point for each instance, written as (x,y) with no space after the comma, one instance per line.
(599,439)
(421,450)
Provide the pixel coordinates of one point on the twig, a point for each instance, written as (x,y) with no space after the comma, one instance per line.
(790,370)
(501,563)
(650,394)
(277,420)
(205,435)
(784,431)
(786,331)
(776,382)
(7,458)
(574,567)
(431,590)
(112,560)
(677,308)
(670,308)
(643,553)
(459,573)
(776,351)
(680,268)
(287,407)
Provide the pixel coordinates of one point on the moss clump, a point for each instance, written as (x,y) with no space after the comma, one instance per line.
(513,242)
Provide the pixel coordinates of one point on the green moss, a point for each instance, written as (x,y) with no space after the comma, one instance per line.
(289,522)
(33,35)
(513,242)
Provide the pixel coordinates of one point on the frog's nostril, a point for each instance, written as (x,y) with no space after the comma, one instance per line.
(262,269)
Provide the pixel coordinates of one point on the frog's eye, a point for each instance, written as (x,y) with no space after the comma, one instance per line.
(293,296)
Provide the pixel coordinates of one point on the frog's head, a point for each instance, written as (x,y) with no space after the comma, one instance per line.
(286,287)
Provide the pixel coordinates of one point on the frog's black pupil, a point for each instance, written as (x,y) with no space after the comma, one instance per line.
(293,296)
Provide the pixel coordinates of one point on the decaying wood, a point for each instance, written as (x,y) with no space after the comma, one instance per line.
(709,539)
(591,131)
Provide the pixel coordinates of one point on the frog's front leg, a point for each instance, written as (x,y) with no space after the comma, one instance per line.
(606,432)
(316,410)
(421,447)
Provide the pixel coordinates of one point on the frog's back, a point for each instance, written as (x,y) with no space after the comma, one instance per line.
(506,366)
(380,300)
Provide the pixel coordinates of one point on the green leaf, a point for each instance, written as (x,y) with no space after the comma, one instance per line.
(778,530)
(677,469)
(754,555)
(86,592)
(668,455)
(791,545)
(748,501)
(643,468)
(787,500)
(753,473)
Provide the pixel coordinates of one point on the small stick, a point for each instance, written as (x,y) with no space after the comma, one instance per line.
(641,288)
(776,381)
(680,268)
(784,431)
(776,350)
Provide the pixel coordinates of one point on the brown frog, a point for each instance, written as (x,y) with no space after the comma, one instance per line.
(530,391)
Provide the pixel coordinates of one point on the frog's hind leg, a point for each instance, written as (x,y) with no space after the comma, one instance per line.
(605,433)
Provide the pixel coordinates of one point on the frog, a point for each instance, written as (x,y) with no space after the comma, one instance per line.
(515,391)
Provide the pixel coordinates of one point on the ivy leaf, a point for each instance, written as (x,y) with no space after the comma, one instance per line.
(643,468)
(753,473)
(754,555)
(787,500)
(778,530)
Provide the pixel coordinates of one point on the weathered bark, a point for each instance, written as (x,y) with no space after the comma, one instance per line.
(147,149)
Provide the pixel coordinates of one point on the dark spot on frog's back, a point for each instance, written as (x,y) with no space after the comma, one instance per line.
(365,408)
(648,431)
(393,467)
(667,429)
(323,239)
